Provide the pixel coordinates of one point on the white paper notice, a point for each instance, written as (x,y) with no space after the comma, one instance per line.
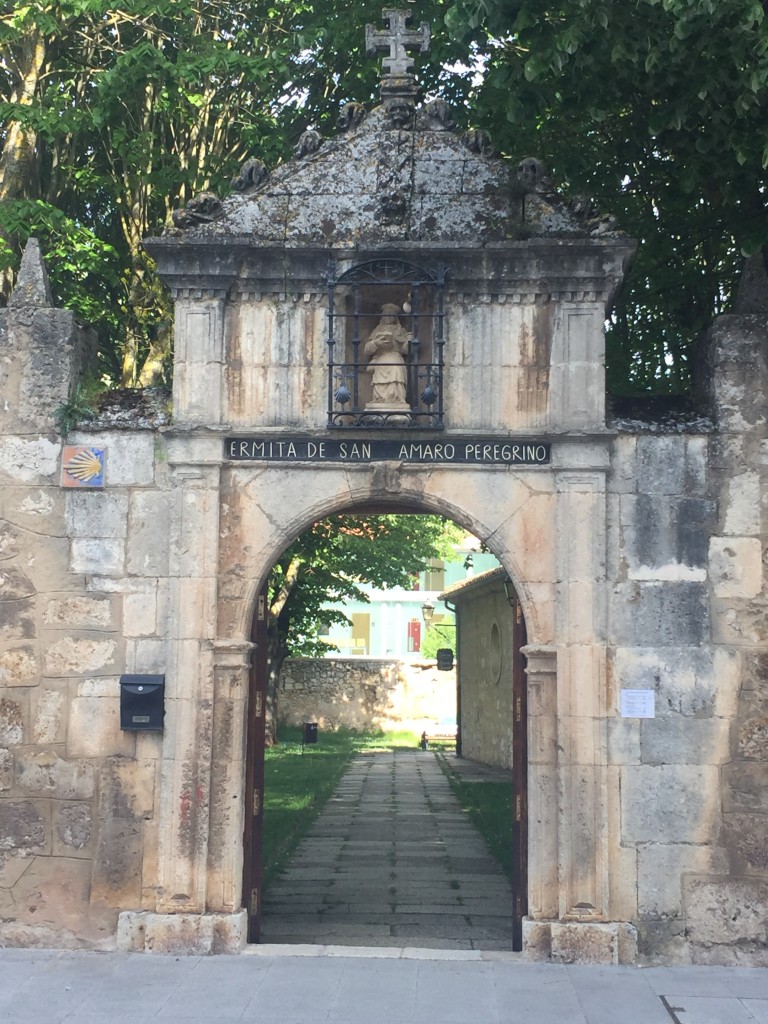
(638,704)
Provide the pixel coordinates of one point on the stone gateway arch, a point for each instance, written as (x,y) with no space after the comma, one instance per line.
(636,550)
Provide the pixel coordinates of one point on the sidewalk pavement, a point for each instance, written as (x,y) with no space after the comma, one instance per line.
(348,985)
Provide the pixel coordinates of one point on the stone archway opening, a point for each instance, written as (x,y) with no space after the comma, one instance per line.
(470,912)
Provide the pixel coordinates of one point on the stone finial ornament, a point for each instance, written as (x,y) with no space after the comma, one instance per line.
(478,141)
(400,111)
(533,176)
(398,39)
(253,173)
(439,115)
(201,209)
(393,208)
(309,142)
(350,116)
(32,288)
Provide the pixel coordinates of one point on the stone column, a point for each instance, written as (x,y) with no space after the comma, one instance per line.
(581,710)
(232,660)
(541,670)
(198,383)
(189,690)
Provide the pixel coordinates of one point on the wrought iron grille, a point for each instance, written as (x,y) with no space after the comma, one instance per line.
(413,370)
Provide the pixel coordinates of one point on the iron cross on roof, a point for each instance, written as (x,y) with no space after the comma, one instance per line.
(398,39)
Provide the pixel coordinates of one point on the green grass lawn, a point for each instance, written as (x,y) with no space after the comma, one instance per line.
(296,785)
(489,805)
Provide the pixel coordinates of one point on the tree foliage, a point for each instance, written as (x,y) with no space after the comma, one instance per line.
(323,569)
(112,115)
(657,110)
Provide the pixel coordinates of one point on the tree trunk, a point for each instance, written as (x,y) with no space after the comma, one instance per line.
(18,157)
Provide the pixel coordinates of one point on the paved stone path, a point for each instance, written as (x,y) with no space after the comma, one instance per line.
(392,860)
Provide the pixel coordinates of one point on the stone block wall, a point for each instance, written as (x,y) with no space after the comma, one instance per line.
(367,693)
(485,666)
(82,600)
(687,536)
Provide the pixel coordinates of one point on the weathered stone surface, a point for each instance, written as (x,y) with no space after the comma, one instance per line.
(735,566)
(45,773)
(6,769)
(663,940)
(660,872)
(98,555)
(746,837)
(691,681)
(73,829)
(17,620)
(745,787)
(677,739)
(85,612)
(30,461)
(94,727)
(53,894)
(752,737)
(537,939)
(49,724)
(665,538)
(117,866)
(742,505)
(146,655)
(32,289)
(14,584)
(675,614)
(25,825)
(19,667)
(35,509)
(79,655)
(661,465)
(670,803)
(10,544)
(11,722)
(584,943)
(722,911)
(97,514)
(148,539)
(182,934)
(140,614)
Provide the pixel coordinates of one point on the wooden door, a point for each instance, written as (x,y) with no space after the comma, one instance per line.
(519,775)
(254,772)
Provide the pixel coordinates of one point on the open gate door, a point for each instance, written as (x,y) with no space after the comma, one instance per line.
(254,772)
(519,775)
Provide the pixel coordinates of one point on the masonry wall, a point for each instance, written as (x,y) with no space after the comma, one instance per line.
(367,693)
(86,595)
(485,674)
(688,621)
(82,599)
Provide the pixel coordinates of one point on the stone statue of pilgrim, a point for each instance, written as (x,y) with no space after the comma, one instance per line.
(384,350)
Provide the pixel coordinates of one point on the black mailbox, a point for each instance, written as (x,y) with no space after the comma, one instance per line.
(142,702)
(310,733)
(444,659)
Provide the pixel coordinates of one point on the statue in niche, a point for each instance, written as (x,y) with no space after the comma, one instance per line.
(384,350)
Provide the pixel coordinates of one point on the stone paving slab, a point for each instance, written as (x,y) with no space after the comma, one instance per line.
(394,849)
